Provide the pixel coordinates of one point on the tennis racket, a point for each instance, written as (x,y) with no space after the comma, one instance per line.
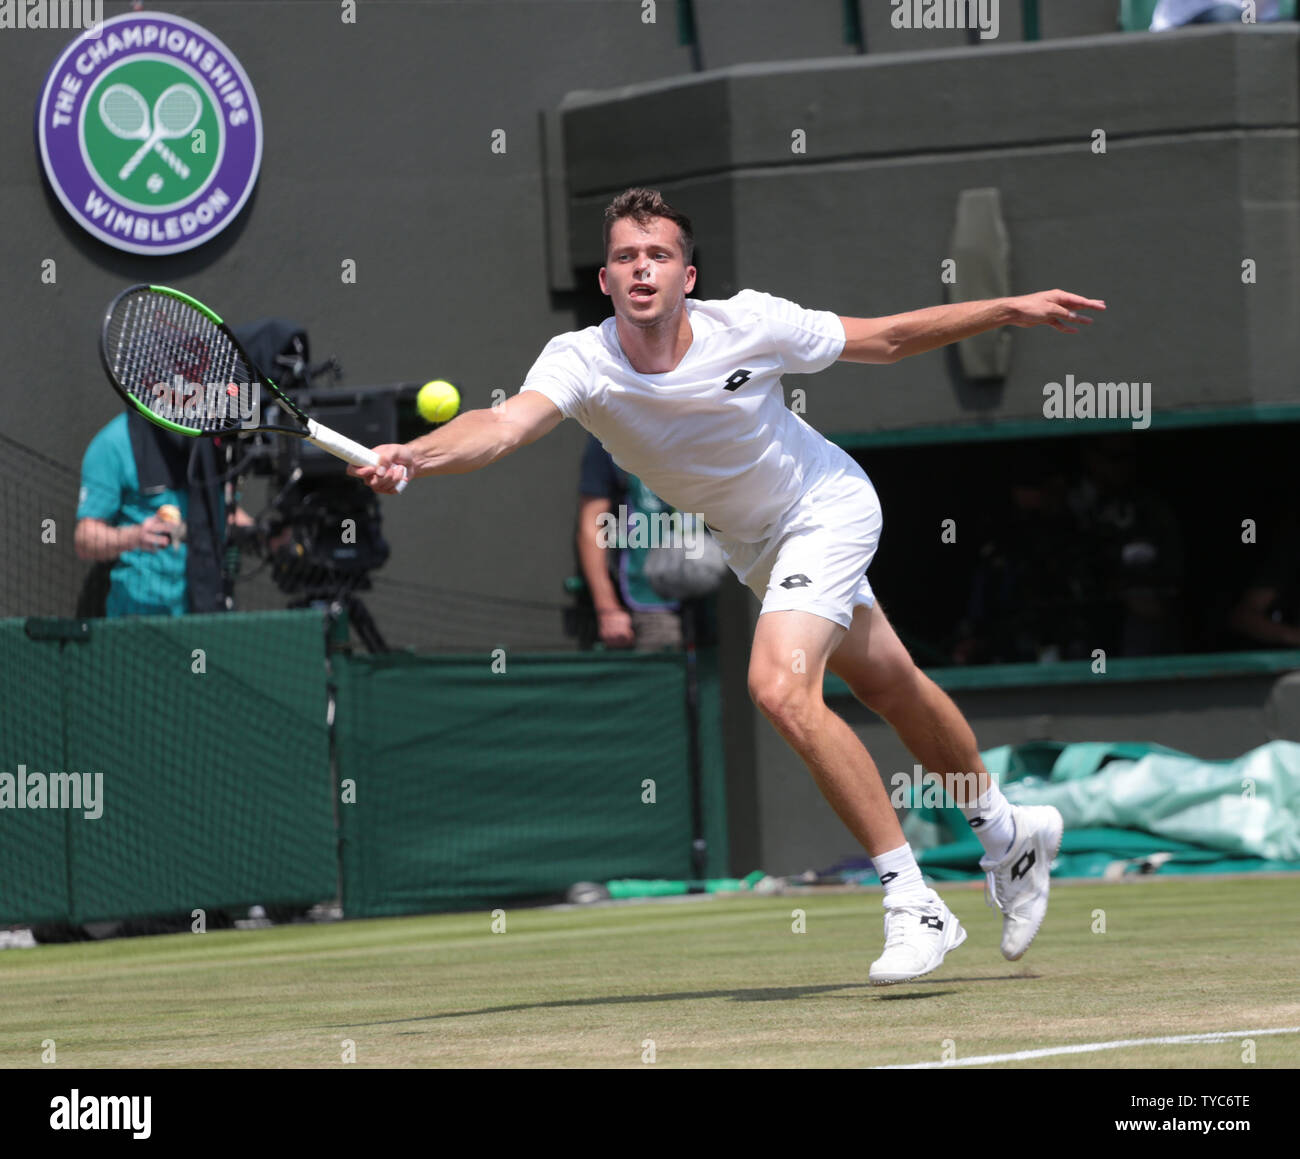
(177,363)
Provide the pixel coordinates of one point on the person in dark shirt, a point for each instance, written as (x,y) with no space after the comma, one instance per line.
(629,613)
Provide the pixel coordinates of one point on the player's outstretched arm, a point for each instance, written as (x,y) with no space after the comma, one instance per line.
(898,336)
(471,440)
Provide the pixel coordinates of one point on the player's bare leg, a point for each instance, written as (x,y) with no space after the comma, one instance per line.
(879,671)
(1019,843)
(786,670)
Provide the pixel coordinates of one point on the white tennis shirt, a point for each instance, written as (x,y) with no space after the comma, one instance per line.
(738,457)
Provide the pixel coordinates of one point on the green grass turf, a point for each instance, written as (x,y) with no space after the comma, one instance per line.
(713,982)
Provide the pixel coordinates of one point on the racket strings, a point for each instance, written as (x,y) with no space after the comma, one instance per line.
(228,368)
(177,363)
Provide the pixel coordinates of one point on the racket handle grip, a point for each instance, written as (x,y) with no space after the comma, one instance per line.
(344,448)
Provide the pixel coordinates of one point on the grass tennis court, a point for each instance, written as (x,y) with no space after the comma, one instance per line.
(712,982)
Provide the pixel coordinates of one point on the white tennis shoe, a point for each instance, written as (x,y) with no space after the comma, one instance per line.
(917,935)
(1018,882)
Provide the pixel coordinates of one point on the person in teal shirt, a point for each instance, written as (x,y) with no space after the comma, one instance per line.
(141,530)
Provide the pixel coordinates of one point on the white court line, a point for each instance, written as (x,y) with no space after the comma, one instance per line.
(1088,1048)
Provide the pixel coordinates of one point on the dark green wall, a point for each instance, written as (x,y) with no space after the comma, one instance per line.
(1201,171)
(378,149)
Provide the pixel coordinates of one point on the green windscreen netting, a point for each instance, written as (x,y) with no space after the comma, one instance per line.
(151,767)
(477,779)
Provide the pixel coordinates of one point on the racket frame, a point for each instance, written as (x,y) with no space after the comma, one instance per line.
(309,429)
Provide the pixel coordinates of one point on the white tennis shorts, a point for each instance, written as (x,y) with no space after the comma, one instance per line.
(816,558)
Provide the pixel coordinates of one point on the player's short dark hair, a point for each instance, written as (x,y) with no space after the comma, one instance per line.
(643,205)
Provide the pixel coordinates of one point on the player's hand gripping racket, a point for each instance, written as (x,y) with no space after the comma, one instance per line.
(179,365)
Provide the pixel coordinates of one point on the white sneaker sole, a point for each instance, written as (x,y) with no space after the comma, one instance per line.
(892,979)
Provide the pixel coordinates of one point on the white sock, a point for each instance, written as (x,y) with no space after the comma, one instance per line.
(991,819)
(900,875)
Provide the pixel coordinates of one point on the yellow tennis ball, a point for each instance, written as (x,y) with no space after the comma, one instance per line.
(437,401)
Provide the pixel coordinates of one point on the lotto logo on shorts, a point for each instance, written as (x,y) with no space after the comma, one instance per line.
(796,581)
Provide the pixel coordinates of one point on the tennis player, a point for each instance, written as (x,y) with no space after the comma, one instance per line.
(687,395)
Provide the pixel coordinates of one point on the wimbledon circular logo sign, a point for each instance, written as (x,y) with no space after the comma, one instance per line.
(150,133)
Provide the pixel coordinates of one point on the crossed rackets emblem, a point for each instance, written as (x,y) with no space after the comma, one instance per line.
(175,113)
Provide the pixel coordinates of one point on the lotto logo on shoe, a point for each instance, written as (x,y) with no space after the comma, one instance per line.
(1023,866)
(935,923)
(795,581)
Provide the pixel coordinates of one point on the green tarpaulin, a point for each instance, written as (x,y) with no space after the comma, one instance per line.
(1131,807)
